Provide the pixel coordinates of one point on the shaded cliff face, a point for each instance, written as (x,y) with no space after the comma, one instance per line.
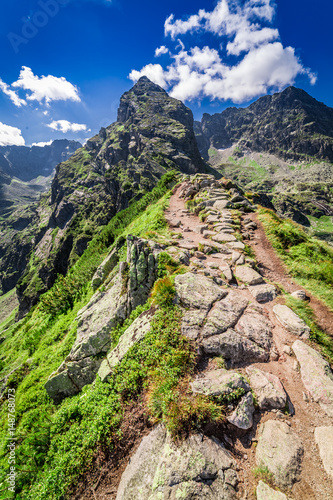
(153,134)
(291,124)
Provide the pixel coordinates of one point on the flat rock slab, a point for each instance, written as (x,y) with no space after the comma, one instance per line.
(254,326)
(234,348)
(207,234)
(316,375)
(264,492)
(201,228)
(248,275)
(187,245)
(242,417)
(225,314)
(134,333)
(212,218)
(324,440)
(220,382)
(198,467)
(221,204)
(281,451)
(293,323)
(224,237)
(196,291)
(268,389)
(263,293)
(214,246)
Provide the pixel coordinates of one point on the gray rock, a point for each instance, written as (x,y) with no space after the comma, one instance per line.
(207,234)
(236,245)
(254,326)
(316,375)
(134,333)
(268,389)
(248,275)
(224,237)
(293,323)
(234,348)
(324,440)
(212,218)
(213,245)
(200,229)
(280,450)
(105,268)
(220,382)
(225,314)
(242,417)
(199,467)
(263,293)
(264,492)
(299,294)
(197,291)
(187,245)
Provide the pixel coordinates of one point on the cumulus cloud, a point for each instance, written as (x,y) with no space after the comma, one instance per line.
(66,126)
(12,94)
(161,50)
(46,88)
(251,59)
(42,144)
(10,136)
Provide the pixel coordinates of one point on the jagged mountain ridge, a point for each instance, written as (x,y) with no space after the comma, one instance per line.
(291,124)
(153,134)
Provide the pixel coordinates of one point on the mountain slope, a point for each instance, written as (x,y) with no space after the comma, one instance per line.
(153,135)
(290,124)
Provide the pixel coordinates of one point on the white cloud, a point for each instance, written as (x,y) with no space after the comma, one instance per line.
(161,50)
(12,94)
(66,126)
(42,144)
(251,60)
(10,136)
(46,88)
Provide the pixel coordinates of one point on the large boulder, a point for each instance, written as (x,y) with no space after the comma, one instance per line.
(324,440)
(268,389)
(316,375)
(134,333)
(225,314)
(293,323)
(199,467)
(280,450)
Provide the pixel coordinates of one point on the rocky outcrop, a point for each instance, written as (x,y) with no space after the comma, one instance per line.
(280,450)
(129,288)
(242,416)
(316,375)
(198,467)
(220,383)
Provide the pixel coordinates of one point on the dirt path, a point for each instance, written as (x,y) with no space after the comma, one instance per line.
(272,268)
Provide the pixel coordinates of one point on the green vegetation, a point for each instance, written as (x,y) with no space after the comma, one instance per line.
(308,260)
(263,473)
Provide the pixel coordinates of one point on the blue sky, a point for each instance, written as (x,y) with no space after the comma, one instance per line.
(65,63)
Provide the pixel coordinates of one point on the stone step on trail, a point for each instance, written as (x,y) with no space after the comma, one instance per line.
(248,275)
(263,293)
(324,439)
(268,389)
(219,382)
(265,492)
(224,237)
